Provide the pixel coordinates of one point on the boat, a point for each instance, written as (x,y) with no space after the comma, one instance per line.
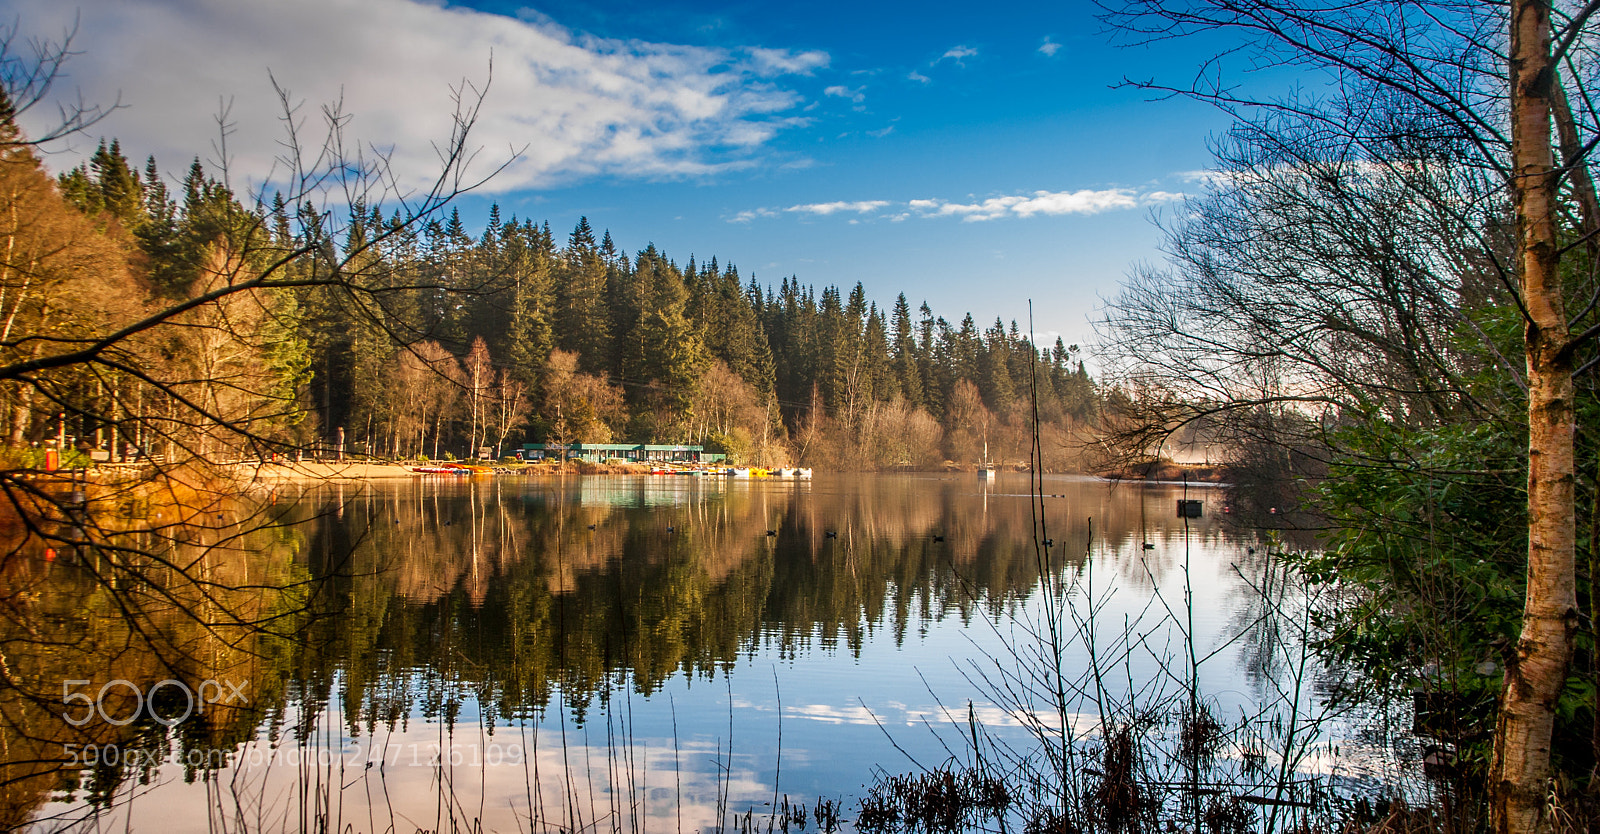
(986,470)
(804,472)
(441,470)
(740,472)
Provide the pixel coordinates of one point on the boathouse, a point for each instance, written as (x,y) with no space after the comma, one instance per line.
(630,452)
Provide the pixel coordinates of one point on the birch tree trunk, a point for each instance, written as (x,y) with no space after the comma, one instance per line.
(1536,673)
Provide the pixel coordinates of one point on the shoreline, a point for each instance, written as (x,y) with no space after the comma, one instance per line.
(354,471)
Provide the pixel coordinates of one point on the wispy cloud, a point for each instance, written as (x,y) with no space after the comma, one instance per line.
(1039,202)
(881,132)
(751,214)
(1030,204)
(857,207)
(959,54)
(857,95)
(918,77)
(786,62)
(580,105)
(1049,47)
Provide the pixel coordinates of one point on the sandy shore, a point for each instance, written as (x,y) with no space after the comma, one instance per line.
(324,471)
(308,471)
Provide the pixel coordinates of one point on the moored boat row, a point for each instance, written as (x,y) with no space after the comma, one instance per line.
(453,469)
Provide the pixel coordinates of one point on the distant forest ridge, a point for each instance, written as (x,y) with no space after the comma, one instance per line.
(461,341)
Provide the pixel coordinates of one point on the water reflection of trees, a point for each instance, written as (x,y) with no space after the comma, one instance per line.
(517,592)
(160,619)
(423,596)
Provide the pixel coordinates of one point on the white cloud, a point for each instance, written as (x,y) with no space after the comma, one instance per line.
(785,62)
(958,54)
(857,95)
(1030,204)
(751,214)
(918,77)
(859,207)
(1214,179)
(579,105)
(1049,47)
(881,132)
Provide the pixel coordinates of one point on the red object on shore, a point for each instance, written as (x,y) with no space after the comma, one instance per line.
(52,460)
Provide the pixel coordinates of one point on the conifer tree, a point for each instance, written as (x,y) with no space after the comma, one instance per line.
(906,370)
(529,339)
(995,363)
(583,324)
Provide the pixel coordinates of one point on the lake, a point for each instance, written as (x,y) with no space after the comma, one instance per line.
(650,654)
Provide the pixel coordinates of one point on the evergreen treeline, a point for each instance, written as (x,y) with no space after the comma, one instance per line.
(515,335)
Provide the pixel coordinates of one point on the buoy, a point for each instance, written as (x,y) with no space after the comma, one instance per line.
(772,532)
(832,534)
(1149,546)
(1049,542)
(591,527)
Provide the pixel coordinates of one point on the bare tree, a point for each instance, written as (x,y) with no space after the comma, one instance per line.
(29,69)
(1446,118)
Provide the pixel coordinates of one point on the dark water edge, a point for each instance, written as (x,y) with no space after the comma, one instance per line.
(627,653)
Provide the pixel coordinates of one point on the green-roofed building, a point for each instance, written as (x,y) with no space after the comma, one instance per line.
(630,452)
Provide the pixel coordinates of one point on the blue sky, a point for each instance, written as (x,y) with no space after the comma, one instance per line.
(970,156)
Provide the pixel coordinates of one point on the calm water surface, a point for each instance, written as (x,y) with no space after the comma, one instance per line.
(631,653)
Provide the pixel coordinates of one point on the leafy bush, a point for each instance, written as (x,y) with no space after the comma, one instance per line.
(14,457)
(1429,551)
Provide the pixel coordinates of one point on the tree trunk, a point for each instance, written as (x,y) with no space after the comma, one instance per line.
(1537,671)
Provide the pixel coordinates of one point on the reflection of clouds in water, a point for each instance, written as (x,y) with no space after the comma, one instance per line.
(418,779)
(987,715)
(831,714)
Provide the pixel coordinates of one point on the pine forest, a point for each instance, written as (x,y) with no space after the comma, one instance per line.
(440,342)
